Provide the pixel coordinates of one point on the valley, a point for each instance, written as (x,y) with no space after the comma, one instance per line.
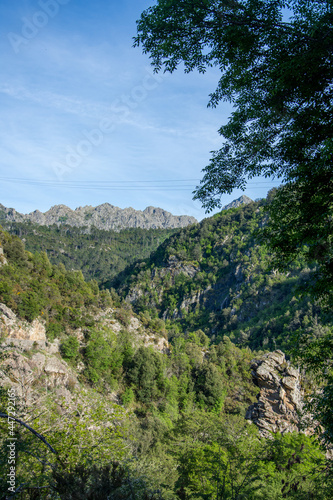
(169,352)
(146,355)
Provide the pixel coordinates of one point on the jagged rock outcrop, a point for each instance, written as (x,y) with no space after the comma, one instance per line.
(29,374)
(175,267)
(39,368)
(23,367)
(32,362)
(24,336)
(280,399)
(20,332)
(242,200)
(103,216)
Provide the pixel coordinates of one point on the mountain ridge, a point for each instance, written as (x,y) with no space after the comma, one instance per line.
(104,216)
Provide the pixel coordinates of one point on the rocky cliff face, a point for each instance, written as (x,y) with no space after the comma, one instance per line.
(31,363)
(173,268)
(23,335)
(242,200)
(280,399)
(104,216)
(20,332)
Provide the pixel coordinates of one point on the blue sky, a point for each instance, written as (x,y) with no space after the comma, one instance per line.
(84,120)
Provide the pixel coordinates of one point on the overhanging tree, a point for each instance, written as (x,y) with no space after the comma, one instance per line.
(276,67)
(276,63)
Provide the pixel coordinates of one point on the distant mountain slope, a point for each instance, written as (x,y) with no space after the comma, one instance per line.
(99,254)
(216,276)
(103,216)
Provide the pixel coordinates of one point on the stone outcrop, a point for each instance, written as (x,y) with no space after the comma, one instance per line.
(280,399)
(20,332)
(57,371)
(24,336)
(104,216)
(242,200)
(175,266)
(29,374)
(33,365)
(23,367)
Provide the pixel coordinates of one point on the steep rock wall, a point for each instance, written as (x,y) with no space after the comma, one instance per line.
(280,400)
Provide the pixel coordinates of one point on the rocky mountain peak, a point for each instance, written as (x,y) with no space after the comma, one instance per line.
(242,200)
(104,216)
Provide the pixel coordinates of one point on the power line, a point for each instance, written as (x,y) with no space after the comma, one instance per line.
(53,181)
(122,185)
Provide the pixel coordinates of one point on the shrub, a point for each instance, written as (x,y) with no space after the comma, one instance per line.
(70,348)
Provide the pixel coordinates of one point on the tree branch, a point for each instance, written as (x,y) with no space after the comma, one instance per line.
(3,415)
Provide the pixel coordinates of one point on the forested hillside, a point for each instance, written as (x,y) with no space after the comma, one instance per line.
(100,255)
(218,276)
(172,401)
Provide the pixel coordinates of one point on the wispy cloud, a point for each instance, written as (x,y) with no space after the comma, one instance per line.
(59,102)
(81,69)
